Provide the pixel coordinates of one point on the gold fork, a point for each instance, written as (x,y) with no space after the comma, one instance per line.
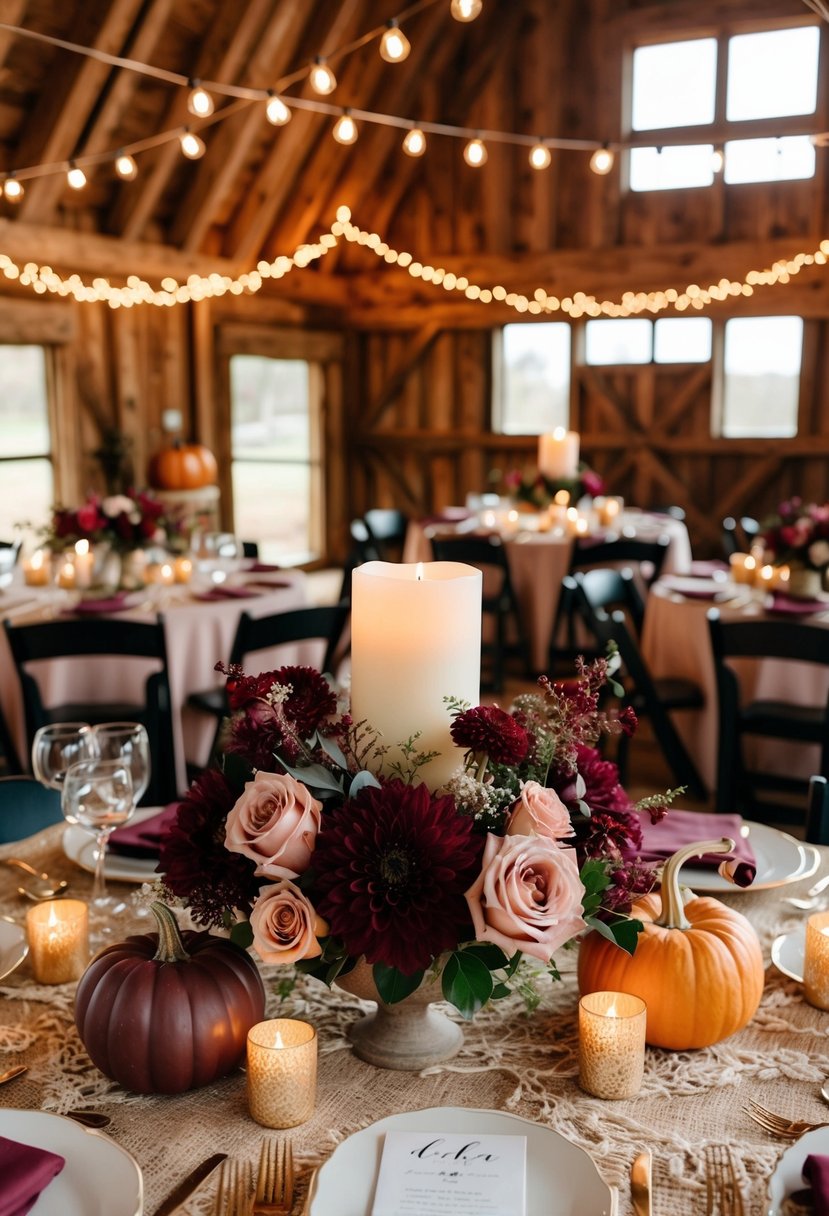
(275,1180)
(723,1195)
(234,1189)
(778,1125)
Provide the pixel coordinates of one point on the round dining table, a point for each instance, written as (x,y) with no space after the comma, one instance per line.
(523,1063)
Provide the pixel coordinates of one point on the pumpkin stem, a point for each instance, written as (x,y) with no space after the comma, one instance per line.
(170,946)
(673,915)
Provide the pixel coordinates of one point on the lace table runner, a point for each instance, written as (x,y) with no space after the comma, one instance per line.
(511,1061)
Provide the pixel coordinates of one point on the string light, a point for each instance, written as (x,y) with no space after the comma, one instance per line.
(394,45)
(475,153)
(13,189)
(276,112)
(126,167)
(345,129)
(200,103)
(191,144)
(75,177)
(415,142)
(321,78)
(601,161)
(540,156)
(466,10)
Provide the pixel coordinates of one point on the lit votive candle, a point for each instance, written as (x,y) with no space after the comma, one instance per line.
(183,569)
(611,1044)
(571,521)
(37,569)
(742,566)
(582,526)
(58,933)
(562,498)
(816,961)
(282,1072)
(610,509)
(84,561)
(161,574)
(66,574)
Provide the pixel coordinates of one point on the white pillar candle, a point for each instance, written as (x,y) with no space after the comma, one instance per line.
(84,561)
(558,454)
(415,639)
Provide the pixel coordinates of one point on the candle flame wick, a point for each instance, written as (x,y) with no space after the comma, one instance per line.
(419,572)
(277,1039)
(611,1010)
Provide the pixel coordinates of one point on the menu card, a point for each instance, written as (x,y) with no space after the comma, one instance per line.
(450,1174)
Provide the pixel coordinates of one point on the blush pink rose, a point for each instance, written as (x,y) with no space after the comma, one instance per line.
(528,895)
(285,925)
(274,823)
(539,812)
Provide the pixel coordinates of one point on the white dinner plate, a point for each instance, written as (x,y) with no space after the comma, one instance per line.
(13,945)
(787,1173)
(780,859)
(788,952)
(99,1175)
(79,846)
(562,1179)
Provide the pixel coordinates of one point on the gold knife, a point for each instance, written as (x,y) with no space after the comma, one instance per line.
(640,1184)
(187,1185)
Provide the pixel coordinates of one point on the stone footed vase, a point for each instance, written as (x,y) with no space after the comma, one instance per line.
(804,584)
(407,1036)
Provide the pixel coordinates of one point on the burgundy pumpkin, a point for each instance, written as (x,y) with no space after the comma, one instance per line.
(165,1012)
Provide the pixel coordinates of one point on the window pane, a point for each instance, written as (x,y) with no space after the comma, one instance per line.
(670,168)
(26,497)
(24,415)
(674,84)
(269,408)
(772,73)
(762,376)
(769,160)
(536,386)
(682,340)
(272,505)
(618,341)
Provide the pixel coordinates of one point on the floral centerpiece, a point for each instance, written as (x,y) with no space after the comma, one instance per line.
(798,536)
(529,485)
(302,846)
(124,521)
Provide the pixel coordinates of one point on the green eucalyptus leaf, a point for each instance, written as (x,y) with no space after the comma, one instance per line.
(315,776)
(362,780)
(332,749)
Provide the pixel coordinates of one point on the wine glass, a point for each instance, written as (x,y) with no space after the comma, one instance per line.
(217,554)
(127,741)
(98,795)
(59,745)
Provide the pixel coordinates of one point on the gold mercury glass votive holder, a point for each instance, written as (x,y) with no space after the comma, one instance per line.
(282,1072)
(611,1044)
(816,961)
(58,933)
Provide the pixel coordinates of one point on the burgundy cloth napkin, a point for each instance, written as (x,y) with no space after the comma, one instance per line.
(226,593)
(816,1173)
(142,839)
(679,828)
(693,588)
(113,603)
(706,569)
(787,606)
(24,1172)
(263,568)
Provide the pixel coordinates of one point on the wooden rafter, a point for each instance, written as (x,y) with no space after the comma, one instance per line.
(608,400)
(415,353)
(12,12)
(684,398)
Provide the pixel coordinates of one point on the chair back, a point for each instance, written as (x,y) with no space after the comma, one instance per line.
(646,553)
(607,589)
(26,807)
(250,548)
(387,528)
(738,537)
(325,623)
(88,639)
(817,813)
(487,553)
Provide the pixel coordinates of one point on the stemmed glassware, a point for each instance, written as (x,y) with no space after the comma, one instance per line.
(126,741)
(98,795)
(59,745)
(217,554)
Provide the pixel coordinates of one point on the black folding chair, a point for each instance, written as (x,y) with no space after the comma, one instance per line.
(387,529)
(817,813)
(26,807)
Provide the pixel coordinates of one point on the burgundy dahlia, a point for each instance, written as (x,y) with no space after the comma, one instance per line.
(492,731)
(390,870)
(256,734)
(613,828)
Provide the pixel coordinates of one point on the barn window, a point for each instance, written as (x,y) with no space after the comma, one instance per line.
(618,341)
(533,393)
(26,480)
(682,340)
(761,381)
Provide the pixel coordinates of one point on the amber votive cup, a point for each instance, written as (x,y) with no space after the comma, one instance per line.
(816,961)
(58,933)
(611,1044)
(282,1072)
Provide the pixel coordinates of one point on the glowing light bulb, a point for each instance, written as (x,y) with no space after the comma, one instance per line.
(415,142)
(465,10)
(76,177)
(717,160)
(126,167)
(199,102)
(345,129)
(13,189)
(191,145)
(601,161)
(321,78)
(540,156)
(276,112)
(394,45)
(475,153)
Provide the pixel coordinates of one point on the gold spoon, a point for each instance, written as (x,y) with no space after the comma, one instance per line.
(11,1073)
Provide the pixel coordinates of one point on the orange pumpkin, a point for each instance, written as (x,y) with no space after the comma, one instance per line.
(183,466)
(697,966)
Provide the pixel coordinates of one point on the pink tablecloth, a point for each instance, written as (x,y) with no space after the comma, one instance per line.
(198,635)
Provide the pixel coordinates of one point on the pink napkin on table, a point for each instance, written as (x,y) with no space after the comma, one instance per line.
(816,1173)
(113,603)
(25,1171)
(142,839)
(226,593)
(263,568)
(678,828)
(787,606)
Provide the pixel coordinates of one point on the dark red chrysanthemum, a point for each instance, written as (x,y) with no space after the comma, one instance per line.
(259,729)
(390,870)
(493,731)
(193,858)
(613,828)
(256,734)
(311,700)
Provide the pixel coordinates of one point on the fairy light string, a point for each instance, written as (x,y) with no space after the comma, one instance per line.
(136,291)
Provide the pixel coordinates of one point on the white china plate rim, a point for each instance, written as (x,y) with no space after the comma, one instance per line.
(786,1176)
(788,952)
(79,846)
(349,1174)
(780,860)
(99,1174)
(13,945)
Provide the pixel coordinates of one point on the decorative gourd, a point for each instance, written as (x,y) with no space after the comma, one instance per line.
(183,466)
(698,967)
(163,1013)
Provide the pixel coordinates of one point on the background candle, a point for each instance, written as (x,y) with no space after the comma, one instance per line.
(742,567)
(816,961)
(37,569)
(66,574)
(58,933)
(415,641)
(611,1044)
(558,454)
(282,1072)
(183,569)
(84,561)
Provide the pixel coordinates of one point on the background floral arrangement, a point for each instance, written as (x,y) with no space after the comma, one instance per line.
(300,849)
(529,485)
(125,521)
(799,535)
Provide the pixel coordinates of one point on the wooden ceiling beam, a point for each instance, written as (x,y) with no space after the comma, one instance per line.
(12,12)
